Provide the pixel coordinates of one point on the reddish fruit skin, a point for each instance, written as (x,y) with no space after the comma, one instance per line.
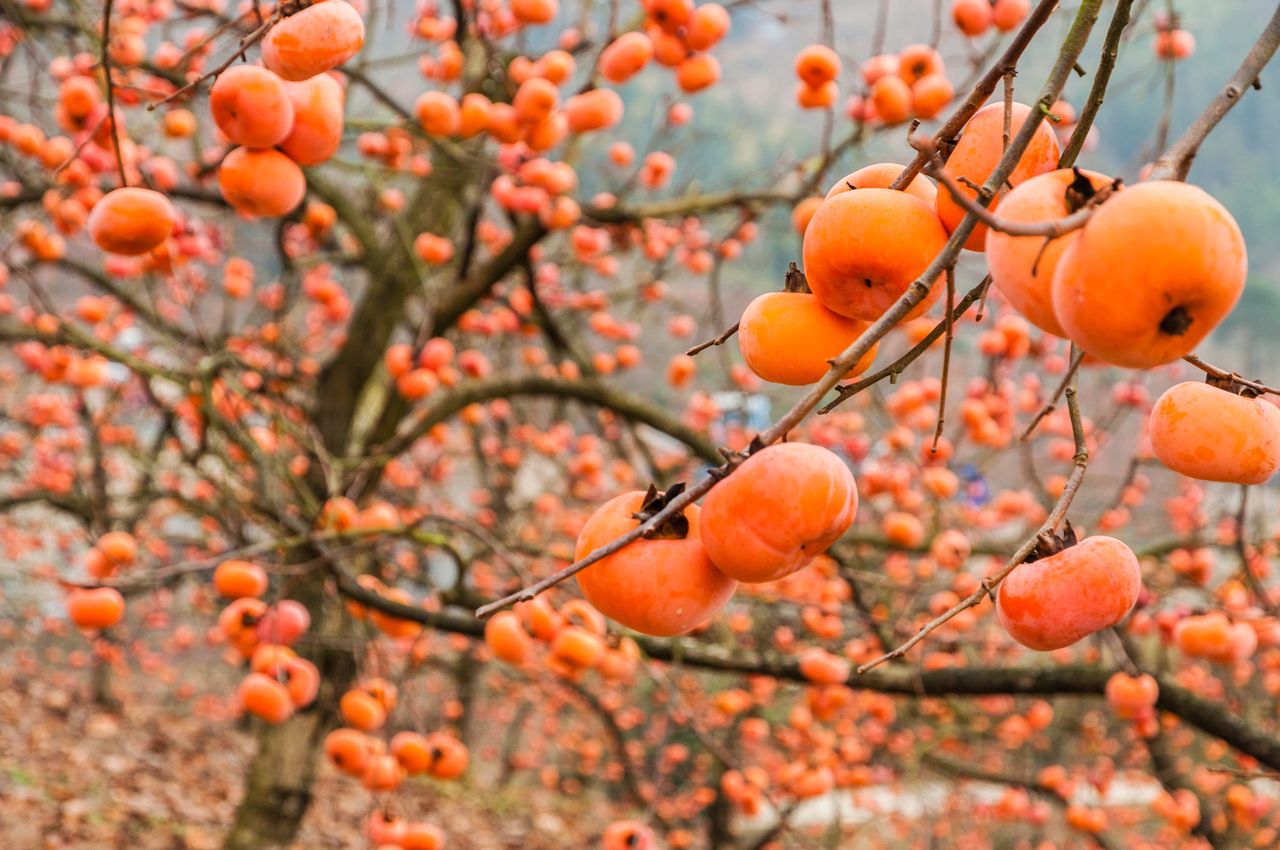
(781,507)
(131,221)
(317,39)
(1056,601)
(658,587)
(1210,434)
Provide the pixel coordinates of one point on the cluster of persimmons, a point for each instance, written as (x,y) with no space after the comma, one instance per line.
(769,528)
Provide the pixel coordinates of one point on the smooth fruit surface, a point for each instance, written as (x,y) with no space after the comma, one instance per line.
(1211,434)
(1057,600)
(774,513)
(131,221)
(788,337)
(656,586)
(1152,273)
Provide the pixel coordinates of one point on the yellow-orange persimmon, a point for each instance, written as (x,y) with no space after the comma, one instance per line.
(664,585)
(784,505)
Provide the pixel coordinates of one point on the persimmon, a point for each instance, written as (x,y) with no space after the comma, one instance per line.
(474,113)
(262,181)
(1008,14)
(580,648)
(917,61)
(301,681)
(973,17)
(1132,697)
(251,106)
(670,15)
(593,110)
(362,711)
(118,547)
(817,65)
(235,579)
(1174,44)
(891,98)
(803,212)
(131,221)
(625,56)
(1056,600)
(628,835)
(438,113)
(980,149)
(863,249)
(424,836)
(383,773)
(95,608)
(708,23)
(930,95)
(821,667)
(1022,267)
(882,175)
(698,72)
(788,338)
(659,585)
(316,39)
(782,506)
(317,120)
(348,750)
(412,750)
(535,11)
(264,697)
(822,97)
(449,756)
(535,100)
(1213,434)
(1183,262)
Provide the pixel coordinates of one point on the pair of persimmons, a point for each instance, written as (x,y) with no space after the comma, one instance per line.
(282,116)
(782,506)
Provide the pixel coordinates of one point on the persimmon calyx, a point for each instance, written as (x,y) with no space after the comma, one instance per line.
(676,527)
(1228,384)
(795,280)
(1049,543)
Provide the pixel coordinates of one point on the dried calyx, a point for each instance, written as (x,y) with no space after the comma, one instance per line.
(1049,543)
(1081,193)
(674,528)
(1228,384)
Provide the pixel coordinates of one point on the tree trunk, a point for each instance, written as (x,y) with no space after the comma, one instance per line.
(278,786)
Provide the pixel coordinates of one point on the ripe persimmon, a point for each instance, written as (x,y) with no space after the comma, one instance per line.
(916,61)
(1132,697)
(593,110)
(1022,267)
(438,113)
(863,249)
(973,17)
(131,221)
(507,638)
(95,607)
(535,11)
(625,56)
(661,585)
(881,175)
(1213,434)
(628,835)
(362,711)
(317,120)
(782,506)
(235,579)
(1183,262)
(412,750)
(1056,600)
(251,106)
(817,65)
(980,149)
(262,181)
(449,756)
(316,39)
(424,836)
(891,98)
(708,24)
(698,72)
(264,697)
(348,750)
(788,337)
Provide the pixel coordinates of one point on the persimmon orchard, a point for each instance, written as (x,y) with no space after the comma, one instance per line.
(345,403)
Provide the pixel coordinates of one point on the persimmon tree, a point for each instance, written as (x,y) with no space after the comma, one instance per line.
(374,374)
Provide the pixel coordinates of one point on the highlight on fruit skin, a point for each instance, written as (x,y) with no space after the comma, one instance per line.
(317,39)
(1057,600)
(131,221)
(1213,434)
(1177,256)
